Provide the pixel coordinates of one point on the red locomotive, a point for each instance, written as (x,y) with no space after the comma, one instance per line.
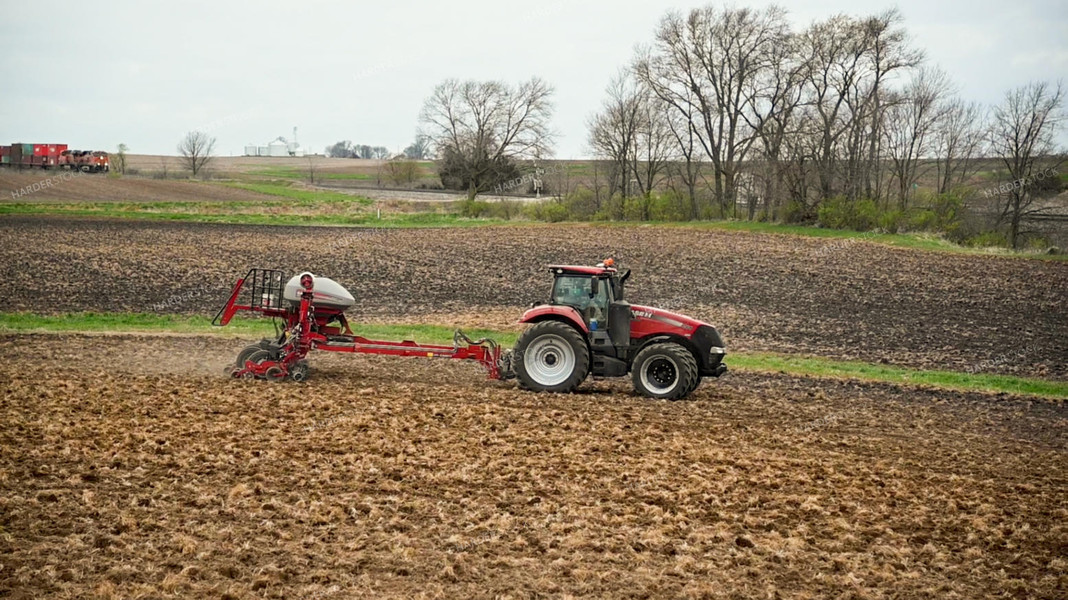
(87,161)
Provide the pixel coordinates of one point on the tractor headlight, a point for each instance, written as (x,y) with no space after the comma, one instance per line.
(717,351)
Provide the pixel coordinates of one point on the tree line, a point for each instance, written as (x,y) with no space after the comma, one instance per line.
(735,113)
(417,150)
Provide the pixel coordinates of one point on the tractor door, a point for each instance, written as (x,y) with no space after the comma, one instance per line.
(619,325)
(619,314)
(610,345)
(614,322)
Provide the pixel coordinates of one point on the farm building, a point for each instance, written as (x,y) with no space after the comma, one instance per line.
(277,147)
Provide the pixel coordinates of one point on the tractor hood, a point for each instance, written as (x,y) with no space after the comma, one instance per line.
(648,318)
(647,321)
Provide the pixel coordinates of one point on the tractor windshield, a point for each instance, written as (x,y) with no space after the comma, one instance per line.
(575,291)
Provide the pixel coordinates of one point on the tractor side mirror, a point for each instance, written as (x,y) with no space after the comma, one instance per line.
(595,286)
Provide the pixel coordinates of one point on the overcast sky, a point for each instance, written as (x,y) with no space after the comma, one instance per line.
(95,74)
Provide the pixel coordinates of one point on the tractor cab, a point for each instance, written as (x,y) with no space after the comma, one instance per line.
(596,294)
(590,290)
(586,289)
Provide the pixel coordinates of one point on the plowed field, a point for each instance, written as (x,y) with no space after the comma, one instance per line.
(838,298)
(130,469)
(67,187)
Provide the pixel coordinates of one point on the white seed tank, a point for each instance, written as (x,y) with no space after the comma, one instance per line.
(327,292)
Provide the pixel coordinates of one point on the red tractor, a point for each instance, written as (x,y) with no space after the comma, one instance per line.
(586,328)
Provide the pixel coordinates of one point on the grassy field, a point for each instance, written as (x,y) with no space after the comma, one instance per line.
(224,214)
(294,173)
(426,169)
(302,196)
(286,201)
(284,204)
(441,334)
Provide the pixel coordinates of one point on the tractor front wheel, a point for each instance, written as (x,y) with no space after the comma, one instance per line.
(551,357)
(666,371)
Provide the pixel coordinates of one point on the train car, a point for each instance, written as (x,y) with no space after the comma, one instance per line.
(21,155)
(49,156)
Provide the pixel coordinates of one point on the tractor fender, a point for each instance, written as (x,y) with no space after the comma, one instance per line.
(546,312)
(637,347)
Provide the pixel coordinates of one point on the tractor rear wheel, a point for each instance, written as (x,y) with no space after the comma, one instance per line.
(665,371)
(551,357)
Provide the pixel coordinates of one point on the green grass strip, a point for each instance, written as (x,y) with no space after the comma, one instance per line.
(21,322)
(442,334)
(293,173)
(194,212)
(302,196)
(954,380)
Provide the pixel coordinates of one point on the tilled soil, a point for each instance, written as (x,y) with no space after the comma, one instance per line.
(53,186)
(129,470)
(838,298)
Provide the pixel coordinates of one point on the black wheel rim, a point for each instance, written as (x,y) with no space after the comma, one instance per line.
(661,373)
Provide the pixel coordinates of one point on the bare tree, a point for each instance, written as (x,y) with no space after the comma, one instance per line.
(402,171)
(801,167)
(632,132)
(419,149)
(1022,135)
(480,126)
(614,130)
(703,66)
(909,132)
(686,166)
(850,62)
(312,168)
(596,186)
(653,144)
(889,51)
(559,179)
(959,140)
(835,54)
(120,156)
(779,93)
(342,149)
(196,150)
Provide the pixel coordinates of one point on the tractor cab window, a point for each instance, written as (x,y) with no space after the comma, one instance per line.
(575,291)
